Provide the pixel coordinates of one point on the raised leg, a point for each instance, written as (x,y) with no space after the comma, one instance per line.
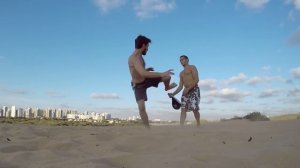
(168,86)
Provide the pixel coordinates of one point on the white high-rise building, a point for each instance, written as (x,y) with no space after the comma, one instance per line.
(64,113)
(107,116)
(53,113)
(21,113)
(1,113)
(38,113)
(48,113)
(41,112)
(59,113)
(5,109)
(28,113)
(13,112)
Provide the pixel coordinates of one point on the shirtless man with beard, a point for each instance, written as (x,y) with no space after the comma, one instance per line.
(142,78)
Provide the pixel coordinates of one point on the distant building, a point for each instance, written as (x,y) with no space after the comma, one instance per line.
(5,111)
(71,117)
(20,113)
(13,112)
(59,113)
(107,116)
(54,113)
(157,120)
(38,113)
(1,113)
(29,113)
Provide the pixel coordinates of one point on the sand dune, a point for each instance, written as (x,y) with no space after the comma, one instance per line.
(225,144)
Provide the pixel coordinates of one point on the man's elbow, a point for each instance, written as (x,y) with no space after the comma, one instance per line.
(144,74)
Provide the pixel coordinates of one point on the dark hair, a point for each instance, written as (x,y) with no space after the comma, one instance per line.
(184,56)
(140,40)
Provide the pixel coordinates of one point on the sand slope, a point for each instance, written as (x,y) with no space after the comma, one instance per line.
(224,144)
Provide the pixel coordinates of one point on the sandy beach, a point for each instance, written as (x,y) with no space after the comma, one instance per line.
(264,144)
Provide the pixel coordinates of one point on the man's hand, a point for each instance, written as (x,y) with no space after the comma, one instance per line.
(150,69)
(167,73)
(185,91)
(170,95)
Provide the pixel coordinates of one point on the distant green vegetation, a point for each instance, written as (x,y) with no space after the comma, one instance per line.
(257,116)
(286,117)
(254,116)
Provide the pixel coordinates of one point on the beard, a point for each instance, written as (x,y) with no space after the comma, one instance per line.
(144,52)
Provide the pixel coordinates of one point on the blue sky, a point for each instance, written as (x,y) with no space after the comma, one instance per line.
(73,54)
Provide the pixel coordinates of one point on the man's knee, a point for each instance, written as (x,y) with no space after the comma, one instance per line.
(196,113)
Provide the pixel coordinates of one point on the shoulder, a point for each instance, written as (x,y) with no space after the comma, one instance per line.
(130,59)
(193,67)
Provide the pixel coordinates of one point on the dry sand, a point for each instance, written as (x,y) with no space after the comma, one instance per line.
(225,144)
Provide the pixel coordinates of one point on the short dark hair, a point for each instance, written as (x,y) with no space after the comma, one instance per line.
(140,40)
(184,56)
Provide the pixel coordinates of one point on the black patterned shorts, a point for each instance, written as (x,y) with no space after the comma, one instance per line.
(191,101)
(140,89)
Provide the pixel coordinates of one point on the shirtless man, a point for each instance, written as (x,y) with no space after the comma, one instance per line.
(143,78)
(191,93)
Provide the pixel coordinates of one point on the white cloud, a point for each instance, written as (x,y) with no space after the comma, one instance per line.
(236,79)
(296,72)
(294,101)
(266,68)
(289,81)
(254,4)
(295,38)
(294,92)
(10,91)
(296,3)
(148,8)
(104,96)
(208,84)
(257,80)
(107,5)
(269,93)
(227,94)
(208,101)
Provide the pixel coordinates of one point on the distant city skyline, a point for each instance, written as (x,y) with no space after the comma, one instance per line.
(52,113)
(73,54)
